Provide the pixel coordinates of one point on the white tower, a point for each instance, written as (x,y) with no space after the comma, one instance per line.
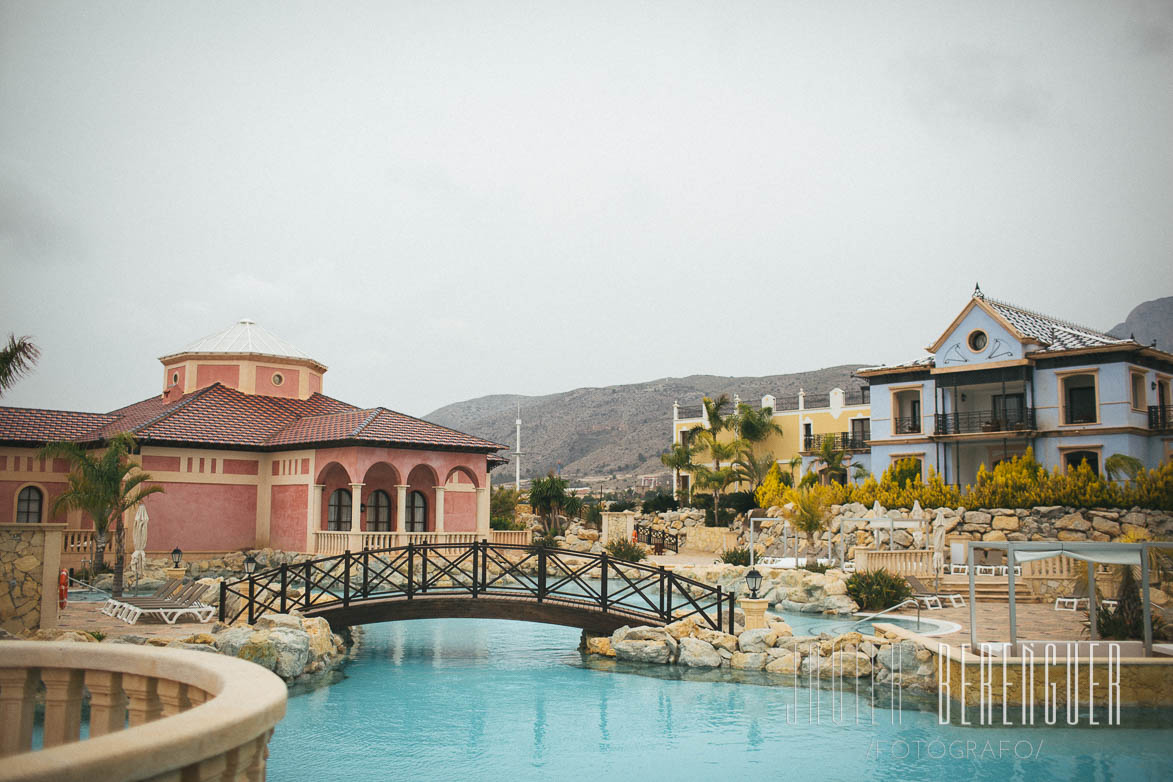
(517,453)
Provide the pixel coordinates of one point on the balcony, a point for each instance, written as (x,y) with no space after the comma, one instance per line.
(906,425)
(979,421)
(191,715)
(1161,418)
(843,441)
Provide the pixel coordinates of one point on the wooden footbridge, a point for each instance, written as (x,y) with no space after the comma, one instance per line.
(595,592)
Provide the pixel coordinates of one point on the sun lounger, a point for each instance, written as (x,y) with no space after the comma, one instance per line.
(921,593)
(186,604)
(168,588)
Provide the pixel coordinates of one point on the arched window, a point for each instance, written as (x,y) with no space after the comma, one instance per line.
(28,505)
(379,512)
(1072,459)
(417,512)
(338,511)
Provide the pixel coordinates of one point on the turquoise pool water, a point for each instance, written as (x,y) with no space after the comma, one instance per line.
(471,699)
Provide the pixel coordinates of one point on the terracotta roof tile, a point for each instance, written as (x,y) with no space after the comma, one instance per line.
(30,425)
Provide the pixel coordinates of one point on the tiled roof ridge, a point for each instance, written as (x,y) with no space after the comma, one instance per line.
(374,414)
(52,410)
(1059,321)
(441,426)
(170,409)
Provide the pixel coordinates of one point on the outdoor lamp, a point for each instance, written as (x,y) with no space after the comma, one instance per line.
(176,556)
(250,564)
(753,580)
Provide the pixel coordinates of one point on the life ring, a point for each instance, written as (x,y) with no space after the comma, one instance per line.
(63,589)
(635,536)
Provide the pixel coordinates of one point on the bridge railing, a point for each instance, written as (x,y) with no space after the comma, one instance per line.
(641,592)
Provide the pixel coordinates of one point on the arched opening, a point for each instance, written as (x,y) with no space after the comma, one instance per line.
(417,512)
(332,477)
(379,511)
(379,497)
(338,510)
(461,475)
(1072,459)
(29,504)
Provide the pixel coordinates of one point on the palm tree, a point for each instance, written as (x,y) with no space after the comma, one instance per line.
(549,500)
(716,481)
(809,514)
(104,487)
(752,425)
(832,461)
(751,469)
(679,458)
(16,359)
(1120,465)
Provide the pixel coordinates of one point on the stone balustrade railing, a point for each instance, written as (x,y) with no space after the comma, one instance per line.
(154,714)
(911,562)
(330,542)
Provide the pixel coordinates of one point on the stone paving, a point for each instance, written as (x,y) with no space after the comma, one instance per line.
(88,617)
(1036,621)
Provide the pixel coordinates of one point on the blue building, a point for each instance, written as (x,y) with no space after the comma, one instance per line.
(1002,378)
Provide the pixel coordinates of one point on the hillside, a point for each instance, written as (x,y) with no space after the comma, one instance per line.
(1148,321)
(615,429)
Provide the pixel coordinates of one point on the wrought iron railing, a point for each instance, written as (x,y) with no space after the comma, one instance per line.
(906,425)
(658,539)
(690,411)
(985,421)
(810,401)
(860,396)
(632,591)
(843,441)
(1161,418)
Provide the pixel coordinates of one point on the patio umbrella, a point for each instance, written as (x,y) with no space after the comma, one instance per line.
(138,559)
(938,540)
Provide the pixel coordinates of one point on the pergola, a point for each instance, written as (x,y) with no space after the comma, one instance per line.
(1090,552)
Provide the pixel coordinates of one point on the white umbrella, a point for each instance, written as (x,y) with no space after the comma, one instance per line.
(938,540)
(138,559)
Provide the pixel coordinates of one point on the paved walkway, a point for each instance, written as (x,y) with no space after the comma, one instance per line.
(1036,621)
(88,617)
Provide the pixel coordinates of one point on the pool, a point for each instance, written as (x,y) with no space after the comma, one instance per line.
(494,700)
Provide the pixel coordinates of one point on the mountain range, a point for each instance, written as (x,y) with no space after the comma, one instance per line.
(595,434)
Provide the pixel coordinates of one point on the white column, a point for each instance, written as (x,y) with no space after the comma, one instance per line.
(400,508)
(439,509)
(315,521)
(355,543)
(483,512)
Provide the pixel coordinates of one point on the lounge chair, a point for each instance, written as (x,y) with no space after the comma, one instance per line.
(185,604)
(920,592)
(1071,603)
(168,588)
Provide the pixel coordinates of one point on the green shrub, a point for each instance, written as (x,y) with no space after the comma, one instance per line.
(625,549)
(593,515)
(815,567)
(875,590)
(617,506)
(660,502)
(735,556)
(739,501)
(505,523)
(546,540)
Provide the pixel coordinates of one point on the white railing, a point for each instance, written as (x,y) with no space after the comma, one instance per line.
(191,715)
(329,543)
(911,562)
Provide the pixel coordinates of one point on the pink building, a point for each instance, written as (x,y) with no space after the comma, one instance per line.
(253,454)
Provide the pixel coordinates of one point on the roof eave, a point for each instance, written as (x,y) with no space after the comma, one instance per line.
(189,355)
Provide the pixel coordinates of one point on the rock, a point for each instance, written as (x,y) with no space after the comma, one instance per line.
(269,621)
(748,661)
(192,647)
(1106,526)
(813,665)
(717,639)
(836,587)
(682,628)
(977,518)
(642,651)
(698,654)
(600,645)
(995,534)
(1073,521)
(849,664)
(619,634)
(322,638)
(790,663)
(1137,531)
(205,639)
(230,641)
(1158,596)
(899,657)
(1006,523)
(852,639)
(752,641)
(1066,534)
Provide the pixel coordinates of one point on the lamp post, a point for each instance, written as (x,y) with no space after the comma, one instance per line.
(753,580)
(250,565)
(176,572)
(753,606)
(176,556)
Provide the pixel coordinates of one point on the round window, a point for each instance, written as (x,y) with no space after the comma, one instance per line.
(174,378)
(278,379)
(977,341)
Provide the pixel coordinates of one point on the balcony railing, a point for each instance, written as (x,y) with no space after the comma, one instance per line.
(985,421)
(906,425)
(843,441)
(690,411)
(812,401)
(1161,418)
(152,713)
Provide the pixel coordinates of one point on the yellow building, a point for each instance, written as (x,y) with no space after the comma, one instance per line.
(806,420)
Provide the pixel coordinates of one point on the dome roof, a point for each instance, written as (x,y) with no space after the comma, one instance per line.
(245,336)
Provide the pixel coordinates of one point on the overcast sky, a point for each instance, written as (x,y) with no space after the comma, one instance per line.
(446,200)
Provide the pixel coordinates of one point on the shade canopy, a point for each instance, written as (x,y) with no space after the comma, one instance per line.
(1105,553)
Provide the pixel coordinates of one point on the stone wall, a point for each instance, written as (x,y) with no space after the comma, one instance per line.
(30,558)
(848,524)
